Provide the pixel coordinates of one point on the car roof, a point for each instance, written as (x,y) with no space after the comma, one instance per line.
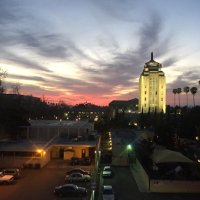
(76,173)
(77,169)
(107,172)
(11,169)
(107,187)
(69,185)
(106,167)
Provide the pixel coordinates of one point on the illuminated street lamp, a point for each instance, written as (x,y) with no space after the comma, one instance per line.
(129,147)
(41,152)
(131,154)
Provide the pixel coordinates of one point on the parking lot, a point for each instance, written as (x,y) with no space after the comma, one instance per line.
(39,184)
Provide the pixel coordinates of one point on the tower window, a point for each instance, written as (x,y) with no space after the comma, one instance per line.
(145,92)
(156,92)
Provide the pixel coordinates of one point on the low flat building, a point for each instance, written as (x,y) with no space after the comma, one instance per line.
(45,140)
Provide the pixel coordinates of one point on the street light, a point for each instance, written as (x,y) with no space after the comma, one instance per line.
(129,147)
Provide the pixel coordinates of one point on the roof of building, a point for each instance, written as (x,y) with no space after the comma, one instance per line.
(166,155)
(23,146)
(123,102)
(62,123)
(152,62)
(152,66)
(32,146)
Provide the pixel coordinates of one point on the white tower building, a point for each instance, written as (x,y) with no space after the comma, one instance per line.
(152,88)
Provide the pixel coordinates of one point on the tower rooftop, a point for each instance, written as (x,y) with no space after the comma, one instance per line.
(152,64)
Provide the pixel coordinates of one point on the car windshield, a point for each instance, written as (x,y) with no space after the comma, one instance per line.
(107,169)
(107,191)
(72,187)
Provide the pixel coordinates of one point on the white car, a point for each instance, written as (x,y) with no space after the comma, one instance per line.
(77,177)
(107,172)
(108,193)
(6,179)
(15,172)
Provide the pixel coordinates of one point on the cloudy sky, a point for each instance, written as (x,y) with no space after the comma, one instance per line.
(94,50)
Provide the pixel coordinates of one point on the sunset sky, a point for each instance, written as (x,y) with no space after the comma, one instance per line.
(94,50)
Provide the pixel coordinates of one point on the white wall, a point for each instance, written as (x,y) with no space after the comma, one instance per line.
(173,186)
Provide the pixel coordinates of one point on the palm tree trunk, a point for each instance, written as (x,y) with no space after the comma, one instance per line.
(187,99)
(174,101)
(179,100)
(193,101)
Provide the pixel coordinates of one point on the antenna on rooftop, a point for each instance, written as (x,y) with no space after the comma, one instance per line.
(152,55)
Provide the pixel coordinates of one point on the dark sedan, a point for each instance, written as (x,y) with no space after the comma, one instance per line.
(70,190)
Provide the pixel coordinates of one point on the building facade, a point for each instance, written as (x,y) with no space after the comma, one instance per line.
(122,106)
(152,88)
(45,140)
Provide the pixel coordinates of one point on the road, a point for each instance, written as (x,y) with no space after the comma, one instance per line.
(123,184)
(126,188)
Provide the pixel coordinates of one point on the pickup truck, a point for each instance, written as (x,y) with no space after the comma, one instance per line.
(6,179)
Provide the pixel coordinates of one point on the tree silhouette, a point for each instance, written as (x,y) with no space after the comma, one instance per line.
(3,75)
(16,88)
(193,91)
(174,92)
(179,90)
(186,90)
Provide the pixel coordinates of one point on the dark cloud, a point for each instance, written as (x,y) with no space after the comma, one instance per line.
(9,11)
(46,45)
(52,46)
(21,77)
(170,61)
(102,75)
(76,86)
(129,64)
(116,9)
(23,62)
(108,41)
(19,29)
(150,34)
(188,78)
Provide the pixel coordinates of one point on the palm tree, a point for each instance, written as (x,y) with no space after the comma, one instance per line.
(193,91)
(186,90)
(174,91)
(179,90)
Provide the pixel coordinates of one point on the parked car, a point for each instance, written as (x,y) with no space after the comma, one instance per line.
(86,161)
(77,177)
(15,172)
(80,161)
(108,193)
(6,179)
(107,172)
(78,170)
(75,161)
(70,190)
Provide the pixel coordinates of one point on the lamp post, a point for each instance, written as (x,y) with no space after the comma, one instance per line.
(129,149)
(131,153)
